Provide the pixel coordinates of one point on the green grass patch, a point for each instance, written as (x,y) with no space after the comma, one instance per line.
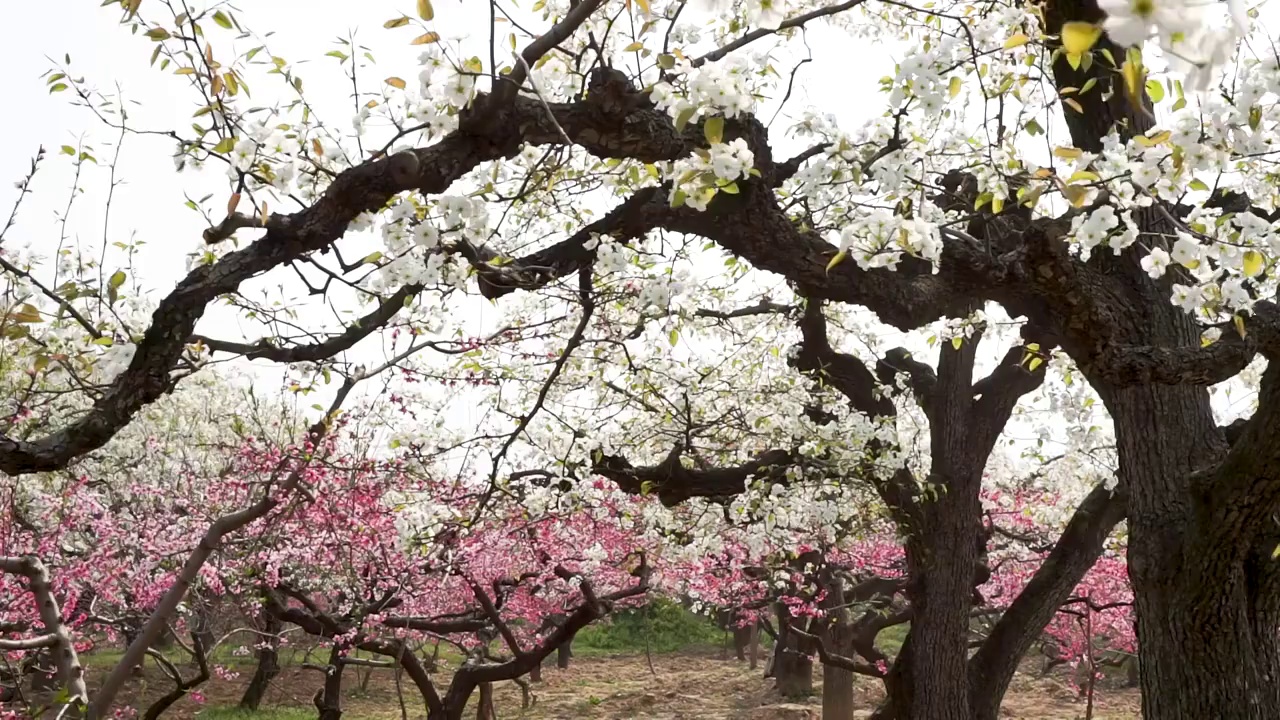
(668,626)
(891,638)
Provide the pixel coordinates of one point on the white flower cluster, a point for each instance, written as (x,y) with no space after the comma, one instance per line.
(661,291)
(260,142)
(113,361)
(696,179)
(919,75)
(878,240)
(1089,231)
(1198,37)
(720,88)
(611,256)
(767,14)
(962,328)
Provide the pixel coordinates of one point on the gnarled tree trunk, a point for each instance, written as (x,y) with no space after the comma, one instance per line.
(792,665)
(329,700)
(268,662)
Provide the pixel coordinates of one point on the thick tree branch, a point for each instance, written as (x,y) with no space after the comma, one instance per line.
(544,266)
(673,483)
(993,665)
(70,671)
(1134,365)
(33,643)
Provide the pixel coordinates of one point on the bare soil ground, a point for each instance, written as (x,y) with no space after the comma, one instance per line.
(688,685)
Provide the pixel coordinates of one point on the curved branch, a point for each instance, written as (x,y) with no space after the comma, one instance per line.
(357,331)
(993,665)
(70,671)
(795,22)
(673,483)
(1135,365)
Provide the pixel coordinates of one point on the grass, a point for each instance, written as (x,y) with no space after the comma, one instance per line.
(667,625)
(221,655)
(890,639)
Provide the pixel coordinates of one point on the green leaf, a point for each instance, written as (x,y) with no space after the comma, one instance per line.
(104,341)
(713,129)
(956,342)
(396,22)
(673,337)
(425,11)
(26,313)
(683,118)
(58,88)
(666,62)
(372,257)
(1155,91)
(1198,184)
(1253,263)
(68,150)
(1079,37)
(117,279)
(226,145)
(839,257)
(222,19)
(1015,41)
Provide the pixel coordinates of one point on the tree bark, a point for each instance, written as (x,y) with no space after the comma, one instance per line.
(837,683)
(563,654)
(329,699)
(792,665)
(741,641)
(484,703)
(268,662)
(837,693)
(754,652)
(992,667)
(1207,641)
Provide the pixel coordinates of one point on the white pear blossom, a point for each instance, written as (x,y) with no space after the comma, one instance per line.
(1186,252)
(1156,262)
(1091,231)
(1129,22)
(767,14)
(1188,297)
(1234,294)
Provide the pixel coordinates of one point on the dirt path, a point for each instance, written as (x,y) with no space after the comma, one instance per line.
(686,686)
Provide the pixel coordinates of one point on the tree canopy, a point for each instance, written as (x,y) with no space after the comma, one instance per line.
(582,250)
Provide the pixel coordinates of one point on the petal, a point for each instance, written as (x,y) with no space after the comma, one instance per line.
(1126,31)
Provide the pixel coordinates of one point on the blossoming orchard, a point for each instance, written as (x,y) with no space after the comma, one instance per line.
(920,350)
